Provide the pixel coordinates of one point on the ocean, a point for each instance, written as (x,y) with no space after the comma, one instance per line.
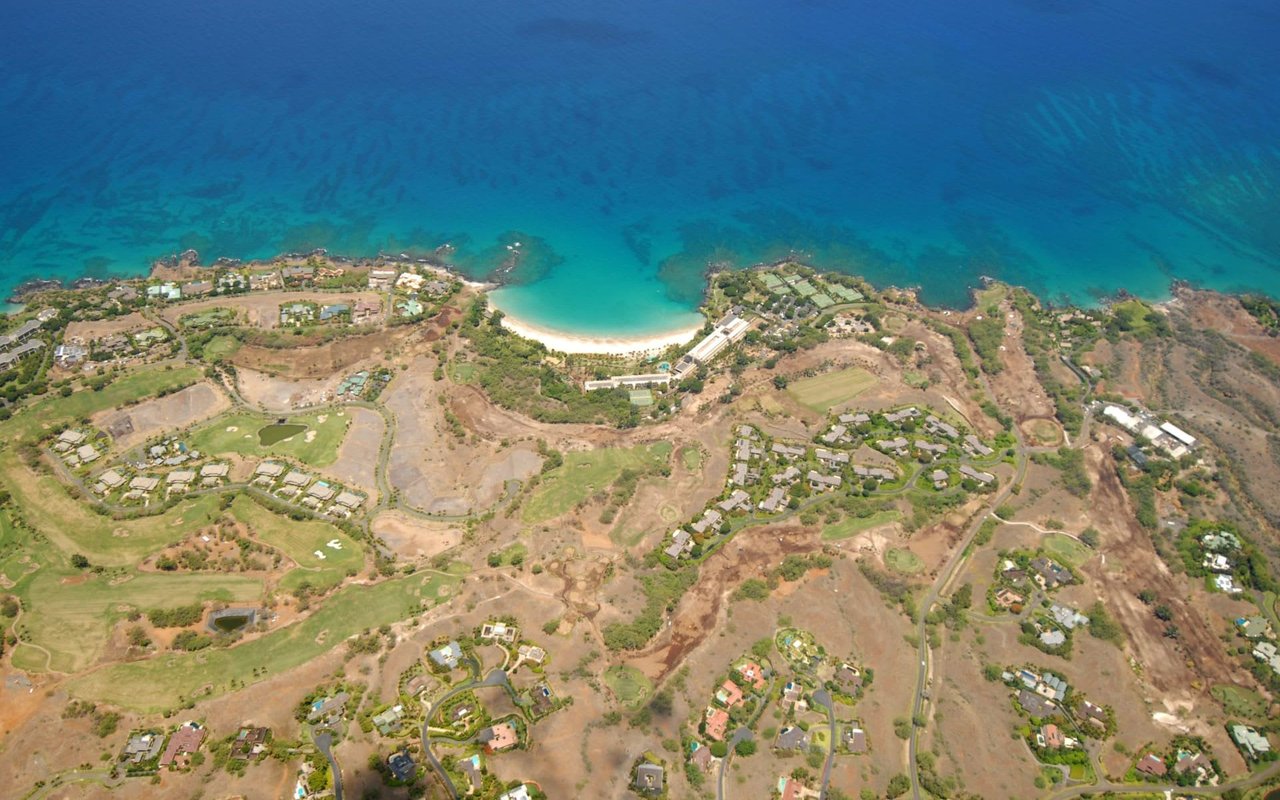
(1077,147)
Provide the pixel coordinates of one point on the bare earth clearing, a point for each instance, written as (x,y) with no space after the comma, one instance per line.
(134,425)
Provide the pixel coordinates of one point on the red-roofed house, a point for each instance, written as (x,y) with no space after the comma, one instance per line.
(500,737)
(1151,765)
(184,741)
(716,723)
(729,695)
(754,674)
(1053,738)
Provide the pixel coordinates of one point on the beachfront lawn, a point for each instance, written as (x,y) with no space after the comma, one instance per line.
(166,681)
(300,541)
(73,528)
(315,444)
(824,392)
(583,474)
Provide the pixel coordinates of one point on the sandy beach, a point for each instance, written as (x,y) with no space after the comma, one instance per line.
(620,346)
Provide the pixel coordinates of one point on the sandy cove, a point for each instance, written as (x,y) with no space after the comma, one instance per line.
(619,346)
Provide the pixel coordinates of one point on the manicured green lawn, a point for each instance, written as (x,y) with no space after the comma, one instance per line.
(72,620)
(822,392)
(903,561)
(692,458)
(70,525)
(300,541)
(165,681)
(583,474)
(631,686)
(1238,701)
(316,445)
(1066,549)
(31,424)
(850,526)
(220,347)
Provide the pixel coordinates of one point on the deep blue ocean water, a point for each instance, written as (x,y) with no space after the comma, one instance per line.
(1074,146)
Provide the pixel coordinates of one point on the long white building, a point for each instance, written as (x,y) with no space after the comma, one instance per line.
(729,330)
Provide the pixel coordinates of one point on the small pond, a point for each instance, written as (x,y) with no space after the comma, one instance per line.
(274,434)
(232,619)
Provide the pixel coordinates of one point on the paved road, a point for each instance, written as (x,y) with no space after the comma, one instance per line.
(324,743)
(939,586)
(823,697)
(740,735)
(495,677)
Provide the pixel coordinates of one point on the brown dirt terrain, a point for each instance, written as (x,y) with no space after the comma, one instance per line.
(1225,314)
(321,361)
(92,330)
(1172,669)
(432,469)
(129,427)
(358,455)
(415,538)
(1230,404)
(273,394)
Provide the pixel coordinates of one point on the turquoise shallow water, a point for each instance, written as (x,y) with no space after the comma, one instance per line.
(1075,147)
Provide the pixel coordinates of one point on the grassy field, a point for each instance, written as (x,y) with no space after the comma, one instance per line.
(915,379)
(208,318)
(31,423)
(1066,549)
(628,684)
(851,526)
(823,392)
(1238,701)
(72,619)
(691,456)
(300,541)
(462,372)
(71,526)
(220,347)
(166,681)
(1045,433)
(903,561)
(583,474)
(238,433)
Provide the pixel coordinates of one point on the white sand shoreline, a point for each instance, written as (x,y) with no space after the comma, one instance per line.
(599,345)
